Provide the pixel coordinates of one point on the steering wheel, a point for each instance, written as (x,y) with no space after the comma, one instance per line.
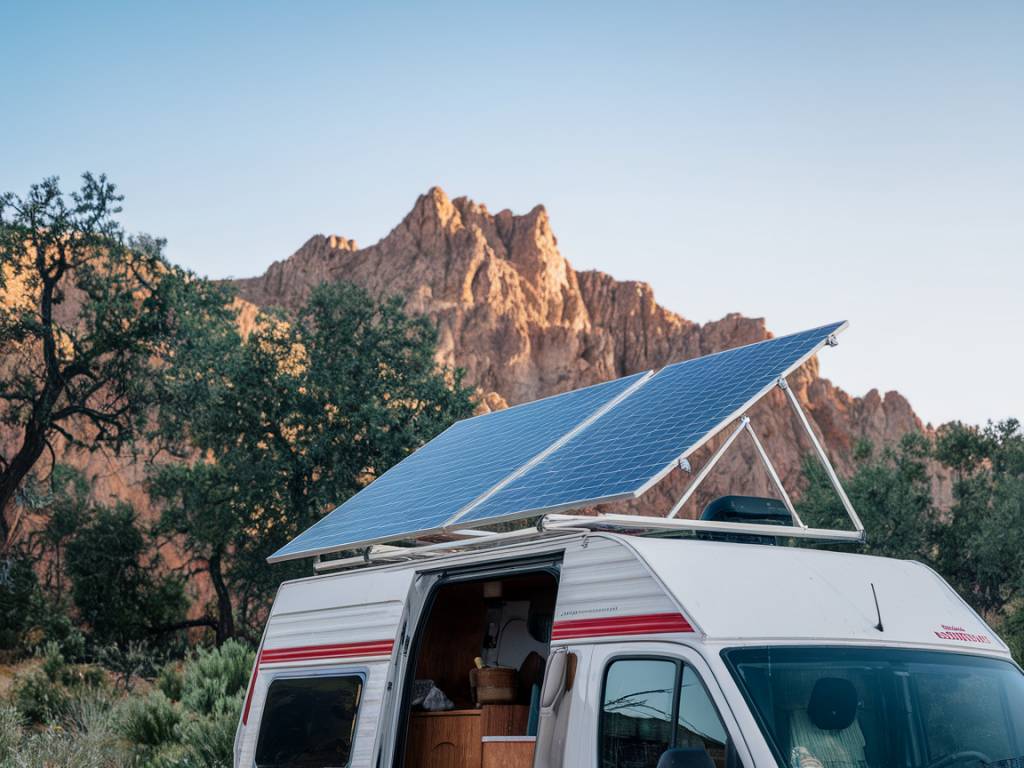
(961,756)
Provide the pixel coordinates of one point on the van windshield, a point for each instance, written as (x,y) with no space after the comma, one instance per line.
(883,708)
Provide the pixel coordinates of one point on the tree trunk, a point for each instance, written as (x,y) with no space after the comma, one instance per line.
(225,611)
(10,479)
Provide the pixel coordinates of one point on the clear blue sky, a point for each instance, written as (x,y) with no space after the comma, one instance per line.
(799,161)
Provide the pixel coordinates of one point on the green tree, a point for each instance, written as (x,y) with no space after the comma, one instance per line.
(117,587)
(17,589)
(54,510)
(299,415)
(891,491)
(88,320)
(983,535)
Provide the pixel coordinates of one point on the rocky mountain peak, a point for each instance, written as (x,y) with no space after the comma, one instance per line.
(514,314)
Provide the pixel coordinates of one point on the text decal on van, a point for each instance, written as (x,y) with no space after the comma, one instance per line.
(652,623)
(959,633)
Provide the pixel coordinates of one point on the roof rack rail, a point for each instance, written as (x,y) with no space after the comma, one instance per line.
(384,554)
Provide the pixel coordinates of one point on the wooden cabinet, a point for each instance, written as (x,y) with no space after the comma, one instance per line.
(445,739)
(470,738)
(507,751)
(504,719)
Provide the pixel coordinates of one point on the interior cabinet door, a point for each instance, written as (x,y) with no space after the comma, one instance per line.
(446,740)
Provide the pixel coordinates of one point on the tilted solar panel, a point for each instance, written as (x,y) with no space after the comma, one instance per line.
(638,441)
(427,488)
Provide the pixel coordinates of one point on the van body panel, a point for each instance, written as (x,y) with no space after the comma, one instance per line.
(754,593)
(330,625)
(600,656)
(617,595)
(607,591)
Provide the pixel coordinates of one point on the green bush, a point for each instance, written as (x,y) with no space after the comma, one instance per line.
(148,721)
(171,681)
(58,746)
(189,719)
(11,723)
(215,674)
(211,738)
(172,756)
(17,589)
(82,736)
(130,661)
(39,698)
(54,665)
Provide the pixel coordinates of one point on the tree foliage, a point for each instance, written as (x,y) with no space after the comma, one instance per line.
(298,416)
(891,491)
(975,543)
(980,543)
(88,320)
(117,585)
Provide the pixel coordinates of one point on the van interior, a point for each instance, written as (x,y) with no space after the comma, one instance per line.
(479,666)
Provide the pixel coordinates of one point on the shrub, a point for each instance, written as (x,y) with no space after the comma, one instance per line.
(148,721)
(11,723)
(83,737)
(211,738)
(215,674)
(49,621)
(57,746)
(17,588)
(54,665)
(173,756)
(39,698)
(127,662)
(171,681)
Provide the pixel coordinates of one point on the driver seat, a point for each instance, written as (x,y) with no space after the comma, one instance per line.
(827,731)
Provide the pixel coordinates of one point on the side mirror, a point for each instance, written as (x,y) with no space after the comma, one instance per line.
(686,757)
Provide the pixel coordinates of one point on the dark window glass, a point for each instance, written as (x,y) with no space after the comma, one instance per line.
(884,708)
(698,724)
(642,700)
(309,722)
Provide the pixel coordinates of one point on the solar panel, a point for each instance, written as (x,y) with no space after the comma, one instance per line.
(422,492)
(639,440)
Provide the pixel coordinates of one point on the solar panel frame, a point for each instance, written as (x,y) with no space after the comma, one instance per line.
(406,511)
(827,334)
(468,514)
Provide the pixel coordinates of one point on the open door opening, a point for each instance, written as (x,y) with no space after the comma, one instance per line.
(479,667)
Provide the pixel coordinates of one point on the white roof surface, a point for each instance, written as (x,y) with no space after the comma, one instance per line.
(748,592)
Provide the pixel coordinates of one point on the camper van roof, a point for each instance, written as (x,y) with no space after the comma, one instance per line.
(607,442)
(742,591)
(727,593)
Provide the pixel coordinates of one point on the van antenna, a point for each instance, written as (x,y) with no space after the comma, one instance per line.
(878,611)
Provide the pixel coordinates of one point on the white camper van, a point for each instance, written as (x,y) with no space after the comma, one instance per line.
(436,634)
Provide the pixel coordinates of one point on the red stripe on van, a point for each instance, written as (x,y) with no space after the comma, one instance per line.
(336,651)
(248,696)
(313,653)
(652,623)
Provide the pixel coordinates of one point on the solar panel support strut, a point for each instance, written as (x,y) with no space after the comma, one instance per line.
(708,466)
(822,456)
(743,426)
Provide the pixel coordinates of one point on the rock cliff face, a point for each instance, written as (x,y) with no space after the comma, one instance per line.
(523,323)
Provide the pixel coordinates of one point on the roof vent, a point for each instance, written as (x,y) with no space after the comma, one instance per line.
(746,509)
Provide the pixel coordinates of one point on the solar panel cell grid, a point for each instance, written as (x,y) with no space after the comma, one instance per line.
(428,487)
(638,440)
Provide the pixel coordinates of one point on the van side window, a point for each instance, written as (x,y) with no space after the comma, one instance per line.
(309,722)
(698,722)
(652,705)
